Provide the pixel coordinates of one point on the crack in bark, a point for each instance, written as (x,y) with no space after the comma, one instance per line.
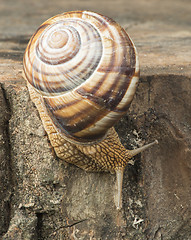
(5,176)
(67,226)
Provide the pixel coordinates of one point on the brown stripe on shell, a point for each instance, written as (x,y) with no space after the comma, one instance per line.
(103,20)
(109,100)
(56,74)
(27,72)
(61,73)
(128,71)
(72,124)
(41,28)
(60,106)
(36,81)
(54,61)
(132,53)
(84,92)
(27,51)
(77,14)
(77,122)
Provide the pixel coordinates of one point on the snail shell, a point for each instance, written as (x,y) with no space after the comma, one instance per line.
(86,68)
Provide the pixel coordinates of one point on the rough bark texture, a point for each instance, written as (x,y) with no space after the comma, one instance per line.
(42,197)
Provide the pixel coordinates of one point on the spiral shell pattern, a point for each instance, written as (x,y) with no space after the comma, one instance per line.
(86,68)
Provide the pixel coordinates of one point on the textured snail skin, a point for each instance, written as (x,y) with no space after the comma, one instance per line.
(82,71)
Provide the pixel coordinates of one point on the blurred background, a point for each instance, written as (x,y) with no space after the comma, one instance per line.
(23,16)
(152,24)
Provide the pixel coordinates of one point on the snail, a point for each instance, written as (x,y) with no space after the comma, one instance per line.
(82,70)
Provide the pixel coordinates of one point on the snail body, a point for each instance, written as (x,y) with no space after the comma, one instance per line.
(82,71)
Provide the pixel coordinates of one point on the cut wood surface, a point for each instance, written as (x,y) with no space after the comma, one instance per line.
(43,198)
